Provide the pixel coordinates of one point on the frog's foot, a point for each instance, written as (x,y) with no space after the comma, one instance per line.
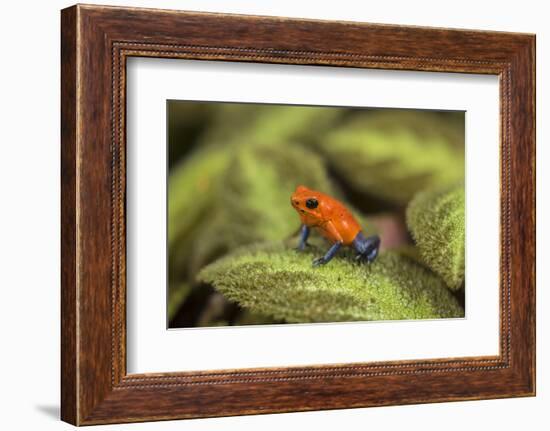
(369,257)
(367,248)
(319,261)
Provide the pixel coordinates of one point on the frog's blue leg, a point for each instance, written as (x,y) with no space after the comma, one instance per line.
(329,254)
(304,235)
(367,248)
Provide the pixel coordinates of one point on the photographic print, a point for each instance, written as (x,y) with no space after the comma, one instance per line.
(304,214)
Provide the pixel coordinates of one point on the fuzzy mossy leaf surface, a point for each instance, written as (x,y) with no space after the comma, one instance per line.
(192,187)
(268,124)
(176,296)
(257,190)
(436,220)
(274,280)
(393,155)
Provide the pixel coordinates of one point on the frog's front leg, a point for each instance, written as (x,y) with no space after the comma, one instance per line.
(328,255)
(304,235)
(338,241)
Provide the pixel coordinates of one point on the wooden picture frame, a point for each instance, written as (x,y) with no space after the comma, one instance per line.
(95,43)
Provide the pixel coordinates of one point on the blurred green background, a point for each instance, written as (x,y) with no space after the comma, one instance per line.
(233,167)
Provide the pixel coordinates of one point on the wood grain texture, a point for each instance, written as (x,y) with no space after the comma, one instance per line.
(69,397)
(96,41)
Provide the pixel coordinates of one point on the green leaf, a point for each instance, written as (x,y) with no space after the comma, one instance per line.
(186,122)
(394,154)
(176,296)
(192,187)
(271,279)
(269,124)
(257,189)
(436,220)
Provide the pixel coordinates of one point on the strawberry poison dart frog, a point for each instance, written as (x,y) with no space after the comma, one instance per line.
(335,222)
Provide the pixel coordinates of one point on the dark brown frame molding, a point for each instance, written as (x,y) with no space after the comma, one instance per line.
(95,43)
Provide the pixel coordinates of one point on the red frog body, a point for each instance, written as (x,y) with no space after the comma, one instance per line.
(334,221)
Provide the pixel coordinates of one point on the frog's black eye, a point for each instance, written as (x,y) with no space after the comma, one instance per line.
(312,203)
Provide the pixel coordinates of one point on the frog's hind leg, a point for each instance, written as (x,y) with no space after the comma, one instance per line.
(367,248)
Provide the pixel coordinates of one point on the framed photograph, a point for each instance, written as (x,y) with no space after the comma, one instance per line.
(263,214)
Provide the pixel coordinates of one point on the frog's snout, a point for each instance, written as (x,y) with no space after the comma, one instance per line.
(296,205)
